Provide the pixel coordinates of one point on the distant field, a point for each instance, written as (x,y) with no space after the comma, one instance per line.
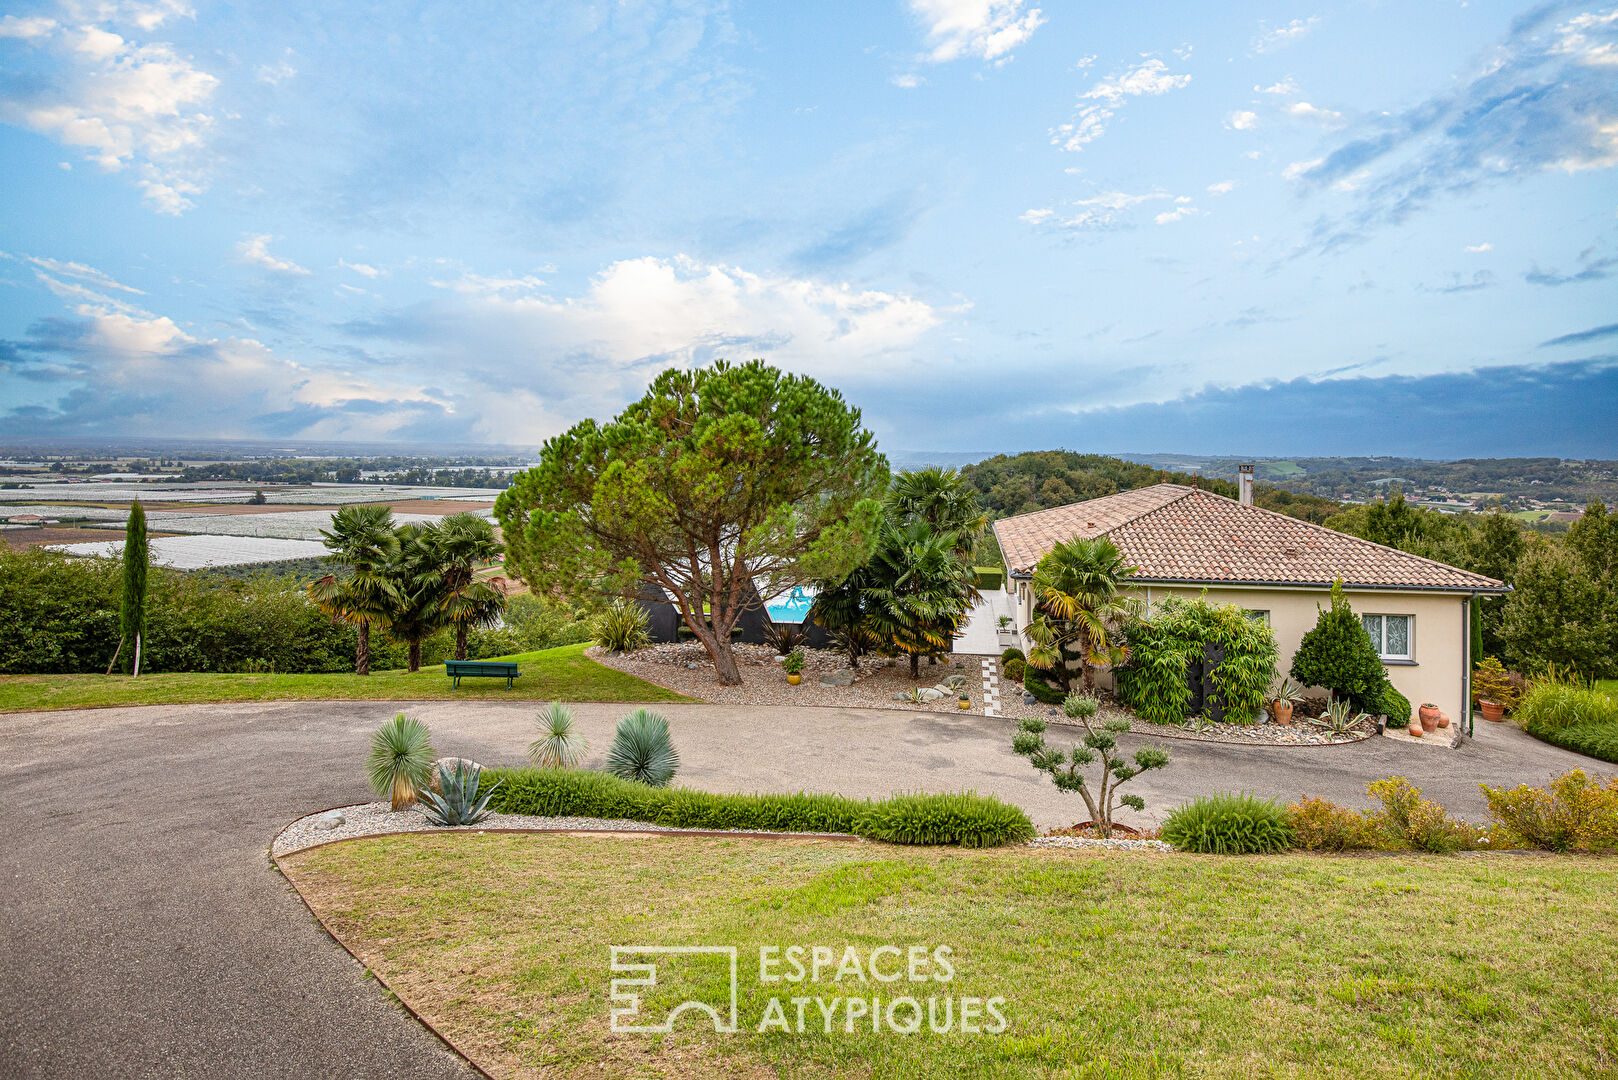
(1282,468)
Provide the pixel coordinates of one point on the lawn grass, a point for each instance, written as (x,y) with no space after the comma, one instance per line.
(1111,965)
(562,674)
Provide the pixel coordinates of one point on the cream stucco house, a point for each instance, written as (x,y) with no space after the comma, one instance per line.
(1189,542)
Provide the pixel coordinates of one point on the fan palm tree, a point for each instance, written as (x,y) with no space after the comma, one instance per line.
(418,580)
(362,544)
(943,499)
(917,592)
(461,542)
(1079,601)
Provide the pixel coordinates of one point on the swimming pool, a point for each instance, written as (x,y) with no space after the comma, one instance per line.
(794,607)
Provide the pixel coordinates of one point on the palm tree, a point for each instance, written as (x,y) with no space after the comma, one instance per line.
(362,543)
(917,592)
(461,542)
(418,580)
(943,499)
(1078,603)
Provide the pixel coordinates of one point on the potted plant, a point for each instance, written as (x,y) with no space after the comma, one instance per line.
(964,701)
(1493,690)
(793,666)
(1286,698)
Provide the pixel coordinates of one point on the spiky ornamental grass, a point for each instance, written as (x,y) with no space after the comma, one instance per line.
(1227,824)
(401,760)
(558,745)
(641,750)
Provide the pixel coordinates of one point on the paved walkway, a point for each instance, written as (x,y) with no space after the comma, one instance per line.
(144,933)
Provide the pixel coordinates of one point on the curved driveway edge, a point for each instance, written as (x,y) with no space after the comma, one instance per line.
(146,934)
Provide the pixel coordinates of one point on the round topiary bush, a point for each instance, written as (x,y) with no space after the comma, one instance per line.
(1045,692)
(1229,825)
(1015,669)
(1011,654)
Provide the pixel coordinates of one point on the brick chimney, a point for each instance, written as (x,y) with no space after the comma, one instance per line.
(1244,479)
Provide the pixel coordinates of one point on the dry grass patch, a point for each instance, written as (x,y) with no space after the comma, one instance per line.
(1112,965)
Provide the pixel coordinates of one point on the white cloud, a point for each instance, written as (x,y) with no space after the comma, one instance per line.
(276,74)
(1181,211)
(907,81)
(83,273)
(1242,120)
(481,285)
(255,251)
(1478,249)
(1285,86)
(1301,168)
(1302,110)
(1101,102)
(1224,187)
(987,29)
(122,102)
(363,269)
(1096,212)
(1576,39)
(27,27)
(1281,36)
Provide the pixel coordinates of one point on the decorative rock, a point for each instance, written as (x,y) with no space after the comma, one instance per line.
(838,678)
(933,693)
(331,819)
(1028,699)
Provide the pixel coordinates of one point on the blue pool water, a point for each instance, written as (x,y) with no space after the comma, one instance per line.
(791,608)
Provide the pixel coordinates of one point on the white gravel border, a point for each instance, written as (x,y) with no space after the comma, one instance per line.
(1116,844)
(375,819)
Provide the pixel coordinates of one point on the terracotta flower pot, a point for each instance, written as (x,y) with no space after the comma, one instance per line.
(1443,720)
(1282,712)
(1428,709)
(1493,711)
(1428,720)
(1415,729)
(794,679)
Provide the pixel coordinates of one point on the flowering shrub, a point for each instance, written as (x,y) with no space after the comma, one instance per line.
(1576,814)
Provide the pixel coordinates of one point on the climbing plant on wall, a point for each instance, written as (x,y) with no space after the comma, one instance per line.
(1163,644)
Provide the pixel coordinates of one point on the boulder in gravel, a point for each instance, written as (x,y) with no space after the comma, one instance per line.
(328,821)
(450,763)
(845,677)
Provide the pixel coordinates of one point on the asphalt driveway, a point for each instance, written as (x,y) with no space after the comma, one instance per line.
(145,933)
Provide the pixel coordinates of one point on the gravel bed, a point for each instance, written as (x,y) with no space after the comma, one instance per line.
(1263,734)
(763,683)
(375,819)
(1116,843)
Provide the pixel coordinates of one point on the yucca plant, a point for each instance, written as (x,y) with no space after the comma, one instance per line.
(401,760)
(622,627)
(642,751)
(558,745)
(459,803)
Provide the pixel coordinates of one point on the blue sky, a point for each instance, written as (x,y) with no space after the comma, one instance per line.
(1277,228)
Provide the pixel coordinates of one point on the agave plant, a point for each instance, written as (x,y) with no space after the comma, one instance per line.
(401,760)
(558,745)
(642,751)
(1339,717)
(785,636)
(1288,693)
(460,802)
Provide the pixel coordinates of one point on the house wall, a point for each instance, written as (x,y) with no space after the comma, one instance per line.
(1436,669)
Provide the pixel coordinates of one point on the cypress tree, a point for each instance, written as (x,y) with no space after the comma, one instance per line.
(132,609)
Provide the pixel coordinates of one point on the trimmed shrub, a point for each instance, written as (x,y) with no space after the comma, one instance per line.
(1228,824)
(966,819)
(1574,815)
(1321,825)
(1045,692)
(1338,655)
(1162,646)
(1015,670)
(1395,706)
(1011,654)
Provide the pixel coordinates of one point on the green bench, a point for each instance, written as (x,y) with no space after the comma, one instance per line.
(481,669)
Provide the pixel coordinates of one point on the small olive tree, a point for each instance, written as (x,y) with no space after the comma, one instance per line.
(1100,742)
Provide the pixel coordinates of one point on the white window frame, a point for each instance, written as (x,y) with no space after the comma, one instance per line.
(1259,615)
(1409,656)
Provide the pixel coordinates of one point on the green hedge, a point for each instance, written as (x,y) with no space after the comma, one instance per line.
(1163,645)
(967,819)
(1593,740)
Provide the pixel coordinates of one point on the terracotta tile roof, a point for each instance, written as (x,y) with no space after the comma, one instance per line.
(1176,533)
